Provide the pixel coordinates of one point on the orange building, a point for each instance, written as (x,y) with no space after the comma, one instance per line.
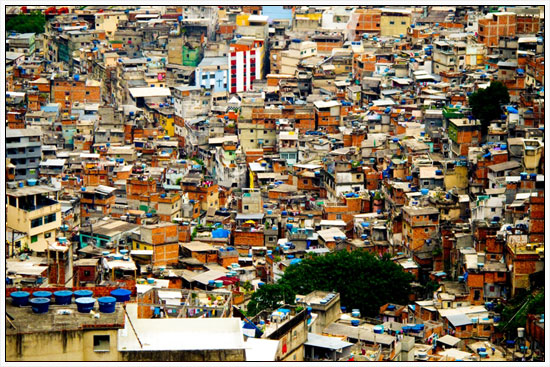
(494,26)
(365,21)
(327,116)
(526,24)
(162,238)
(419,224)
(67,91)
(97,200)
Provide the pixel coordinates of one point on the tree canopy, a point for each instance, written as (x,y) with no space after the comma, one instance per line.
(27,23)
(514,314)
(486,104)
(269,296)
(363,280)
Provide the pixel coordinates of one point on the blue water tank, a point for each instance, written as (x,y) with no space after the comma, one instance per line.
(76,77)
(424,191)
(42,294)
(20,298)
(40,304)
(85,304)
(354,322)
(121,294)
(107,304)
(63,297)
(83,293)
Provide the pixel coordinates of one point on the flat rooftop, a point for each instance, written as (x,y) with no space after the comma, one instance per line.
(26,321)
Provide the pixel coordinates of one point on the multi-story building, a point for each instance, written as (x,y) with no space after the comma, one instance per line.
(463,133)
(449,56)
(162,239)
(245,63)
(211,74)
(394,22)
(288,146)
(364,21)
(24,42)
(496,25)
(67,91)
(419,225)
(23,147)
(32,213)
(327,115)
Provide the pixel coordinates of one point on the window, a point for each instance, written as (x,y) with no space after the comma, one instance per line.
(36,222)
(34,238)
(47,235)
(50,218)
(392,22)
(338,216)
(245,207)
(101,343)
(462,328)
(486,327)
(403,23)
(477,295)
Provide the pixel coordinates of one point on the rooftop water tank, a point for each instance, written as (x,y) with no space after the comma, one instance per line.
(42,294)
(85,304)
(121,294)
(83,293)
(107,304)
(20,298)
(63,297)
(40,304)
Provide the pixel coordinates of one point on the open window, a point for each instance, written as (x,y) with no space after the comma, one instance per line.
(101,343)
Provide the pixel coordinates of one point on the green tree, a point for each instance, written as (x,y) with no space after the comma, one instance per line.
(514,314)
(363,280)
(270,296)
(486,104)
(27,23)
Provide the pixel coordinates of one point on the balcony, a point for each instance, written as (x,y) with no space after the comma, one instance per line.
(41,202)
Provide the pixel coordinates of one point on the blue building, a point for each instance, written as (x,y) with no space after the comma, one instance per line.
(211,74)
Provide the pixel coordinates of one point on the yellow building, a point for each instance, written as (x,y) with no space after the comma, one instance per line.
(34,215)
(52,337)
(394,22)
(108,22)
(166,119)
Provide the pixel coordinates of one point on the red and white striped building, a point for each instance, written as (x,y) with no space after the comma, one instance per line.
(245,63)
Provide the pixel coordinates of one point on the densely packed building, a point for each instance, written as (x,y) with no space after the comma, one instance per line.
(172,160)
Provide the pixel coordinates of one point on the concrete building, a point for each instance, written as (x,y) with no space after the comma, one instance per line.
(24,42)
(394,22)
(245,63)
(32,213)
(211,74)
(68,336)
(23,148)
